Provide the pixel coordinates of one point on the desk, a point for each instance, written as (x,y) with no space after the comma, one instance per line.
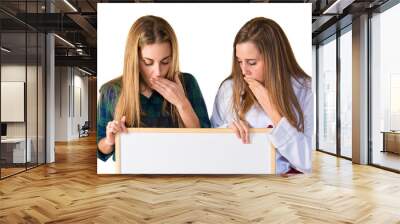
(17,150)
(391,141)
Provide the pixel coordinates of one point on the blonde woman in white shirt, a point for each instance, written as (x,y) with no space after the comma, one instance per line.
(267,88)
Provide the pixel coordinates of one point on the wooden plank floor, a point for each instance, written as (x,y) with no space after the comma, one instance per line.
(70,191)
(387,159)
(10,171)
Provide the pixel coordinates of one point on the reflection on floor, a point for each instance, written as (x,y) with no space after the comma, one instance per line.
(346,152)
(10,169)
(387,159)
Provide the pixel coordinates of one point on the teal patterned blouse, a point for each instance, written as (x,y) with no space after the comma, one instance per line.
(152,108)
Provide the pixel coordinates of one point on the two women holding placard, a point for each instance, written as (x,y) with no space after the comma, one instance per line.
(266,88)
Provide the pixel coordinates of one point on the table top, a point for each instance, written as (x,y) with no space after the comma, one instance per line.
(13,140)
(391,132)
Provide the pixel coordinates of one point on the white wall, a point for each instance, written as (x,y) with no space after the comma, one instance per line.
(67,115)
(80,83)
(61,103)
(34,124)
(205,36)
(13,73)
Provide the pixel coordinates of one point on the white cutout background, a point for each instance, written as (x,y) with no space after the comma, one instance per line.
(205,35)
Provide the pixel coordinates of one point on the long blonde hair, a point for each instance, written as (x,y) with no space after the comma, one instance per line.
(146,30)
(280,67)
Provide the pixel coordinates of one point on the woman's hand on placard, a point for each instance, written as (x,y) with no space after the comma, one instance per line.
(241,129)
(114,127)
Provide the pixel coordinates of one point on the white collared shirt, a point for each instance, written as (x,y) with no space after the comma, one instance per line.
(293,147)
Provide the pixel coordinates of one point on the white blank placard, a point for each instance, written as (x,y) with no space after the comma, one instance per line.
(12,101)
(193,151)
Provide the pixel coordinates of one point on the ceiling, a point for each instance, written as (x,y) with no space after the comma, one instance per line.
(76,22)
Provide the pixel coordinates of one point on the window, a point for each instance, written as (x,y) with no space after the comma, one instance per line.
(22,65)
(327,96)
(346,93)
(385,88)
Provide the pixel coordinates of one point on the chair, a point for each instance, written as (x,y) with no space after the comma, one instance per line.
(84,130)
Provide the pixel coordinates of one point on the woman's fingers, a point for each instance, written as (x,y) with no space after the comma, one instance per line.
(251,81)
(109,127)
(158,87)
(171,91)
(251,84)
(241,131)
(254,85)
(115,127)
(162,89)
(235,129)
(245,129)
(123,126)
(166,83)
(178,81)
